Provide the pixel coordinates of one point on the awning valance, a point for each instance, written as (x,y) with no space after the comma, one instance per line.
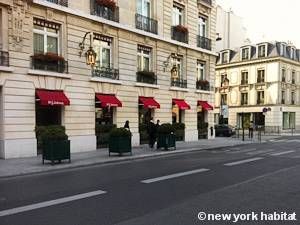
(108,100)
(53,98)
(205,105)
(181,104)
(149,102)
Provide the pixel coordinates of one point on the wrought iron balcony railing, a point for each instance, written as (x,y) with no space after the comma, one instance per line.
(204,42)
(104,12)
(179,83)
(202,85)
(145,23)
(146,77)
(4,58)
(105,72)
(179,36)
(58,66)
(244,82)
(260,101)
(59,2)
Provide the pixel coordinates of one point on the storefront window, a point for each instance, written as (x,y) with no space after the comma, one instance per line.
(104,116)
(176,114)
(289,120)
(48,115)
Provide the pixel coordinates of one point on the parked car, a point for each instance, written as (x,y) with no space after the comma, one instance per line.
(224,130)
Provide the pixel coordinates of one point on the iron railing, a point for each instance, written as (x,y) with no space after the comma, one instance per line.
(146,77)
(105,72)
(244,82)
(179,36)
(145,23)
(104,12)
(58,66)
(4,58)
(59,2)
(204,42)
(202,86)
(208,2)
(179,83)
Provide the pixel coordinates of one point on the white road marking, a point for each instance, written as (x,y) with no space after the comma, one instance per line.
(12,211)
(243,151)
(167,177)
(261,151)
(243,161)
(282,153)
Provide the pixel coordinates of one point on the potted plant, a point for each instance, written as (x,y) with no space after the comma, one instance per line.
(48,57)
(120,141)
(146,76)
(111,4)
(102,134)
(181,29)
(179,131)
(165,137)
(202,84)
(54,142)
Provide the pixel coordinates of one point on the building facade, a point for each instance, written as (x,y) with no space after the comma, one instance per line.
(153,59)
(260,83)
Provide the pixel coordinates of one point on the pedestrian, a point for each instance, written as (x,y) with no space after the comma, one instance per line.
(251,128)
(157,125)
(126,125)
(151,132)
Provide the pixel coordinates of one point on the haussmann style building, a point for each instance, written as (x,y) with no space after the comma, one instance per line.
(260,83)
(154,58)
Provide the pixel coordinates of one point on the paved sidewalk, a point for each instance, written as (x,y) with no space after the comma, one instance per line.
(22,166)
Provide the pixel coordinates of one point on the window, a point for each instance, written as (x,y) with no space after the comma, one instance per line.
(293,98)
(244,99)
(201,75)
(178,63)
(223,79)
(103,48)
(225,57)
(223,99)
(282,49)
(292,53)
(245,54)
(202,26)
(244,80)
(143,8)
(293,77)
(144,58)
(282,97)
(260,76)
(283,75)
(45,37)
(177,16)
(289,120)
(260,97)
(261,51)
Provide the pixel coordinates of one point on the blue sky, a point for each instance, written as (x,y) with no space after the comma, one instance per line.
(268,20)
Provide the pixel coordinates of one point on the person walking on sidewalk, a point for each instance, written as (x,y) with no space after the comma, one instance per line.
(251,128)
(126,125)
(152,133)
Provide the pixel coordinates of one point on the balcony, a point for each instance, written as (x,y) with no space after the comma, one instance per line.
(260,101)
(4,58)
(179,33)
(145,23)
(293,81)
(202,85)
(179,83)
(206,2)
(292,102)
(282,101)
(244,103)
(203,42)
(105,72)
(105,11)
(146,77)
(260,81)
(283,79)
(49,62)
(59,2)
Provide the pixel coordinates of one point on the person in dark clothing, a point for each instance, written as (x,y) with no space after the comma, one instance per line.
(126,125)
(152,133)
(251,128)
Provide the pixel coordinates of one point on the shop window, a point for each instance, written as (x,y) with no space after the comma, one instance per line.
(289,120)
(176,114)
(145,115)
(48,115)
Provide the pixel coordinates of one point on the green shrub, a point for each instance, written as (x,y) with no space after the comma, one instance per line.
(120,132)
(165,128)
(104,128)
(178,126)
(52,132)
(202,126)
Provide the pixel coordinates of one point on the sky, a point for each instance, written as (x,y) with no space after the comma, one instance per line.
(268,20)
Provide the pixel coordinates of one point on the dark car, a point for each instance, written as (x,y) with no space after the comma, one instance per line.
(224,130)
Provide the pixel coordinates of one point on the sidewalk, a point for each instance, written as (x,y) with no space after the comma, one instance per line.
(16,167)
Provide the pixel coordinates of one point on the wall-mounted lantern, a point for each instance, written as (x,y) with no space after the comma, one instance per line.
(90,54)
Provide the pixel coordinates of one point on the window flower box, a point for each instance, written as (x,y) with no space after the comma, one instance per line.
(202,85)
(181,29)
(111,4)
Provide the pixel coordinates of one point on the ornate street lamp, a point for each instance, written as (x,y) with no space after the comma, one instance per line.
(90,54)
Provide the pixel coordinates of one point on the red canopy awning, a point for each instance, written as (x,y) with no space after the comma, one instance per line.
(49,97)
(149,102)
(205,105)
(181,104)
(108,100)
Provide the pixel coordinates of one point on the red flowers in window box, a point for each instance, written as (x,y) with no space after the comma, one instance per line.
(49,57)
(107,3)
(202,84)
(181,29)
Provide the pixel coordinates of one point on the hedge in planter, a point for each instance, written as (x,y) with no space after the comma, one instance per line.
(102,134)
(120,141)
(179,131)
(165,137)
(55,143)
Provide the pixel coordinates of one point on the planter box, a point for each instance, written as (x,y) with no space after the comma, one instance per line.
(119,145)
(56,151)
(179,135)
(166,141)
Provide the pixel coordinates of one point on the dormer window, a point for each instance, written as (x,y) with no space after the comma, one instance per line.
(245,53)
(225,57)
(292,53)
(261,51)
(282,49)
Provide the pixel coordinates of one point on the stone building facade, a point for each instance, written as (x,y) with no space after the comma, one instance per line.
(262,82)
(44,77)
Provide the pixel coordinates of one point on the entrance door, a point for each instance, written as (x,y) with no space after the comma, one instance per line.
(145,115)
(259,119)
(202,125)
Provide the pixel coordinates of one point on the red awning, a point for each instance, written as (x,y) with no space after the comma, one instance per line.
(181,104)
(149,102)
(49,97)
(108,100)
(205,105)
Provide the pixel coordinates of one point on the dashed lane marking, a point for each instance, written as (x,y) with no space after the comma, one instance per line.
(243,161)
(282,153)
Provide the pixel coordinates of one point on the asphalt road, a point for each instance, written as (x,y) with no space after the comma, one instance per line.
(170,190)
